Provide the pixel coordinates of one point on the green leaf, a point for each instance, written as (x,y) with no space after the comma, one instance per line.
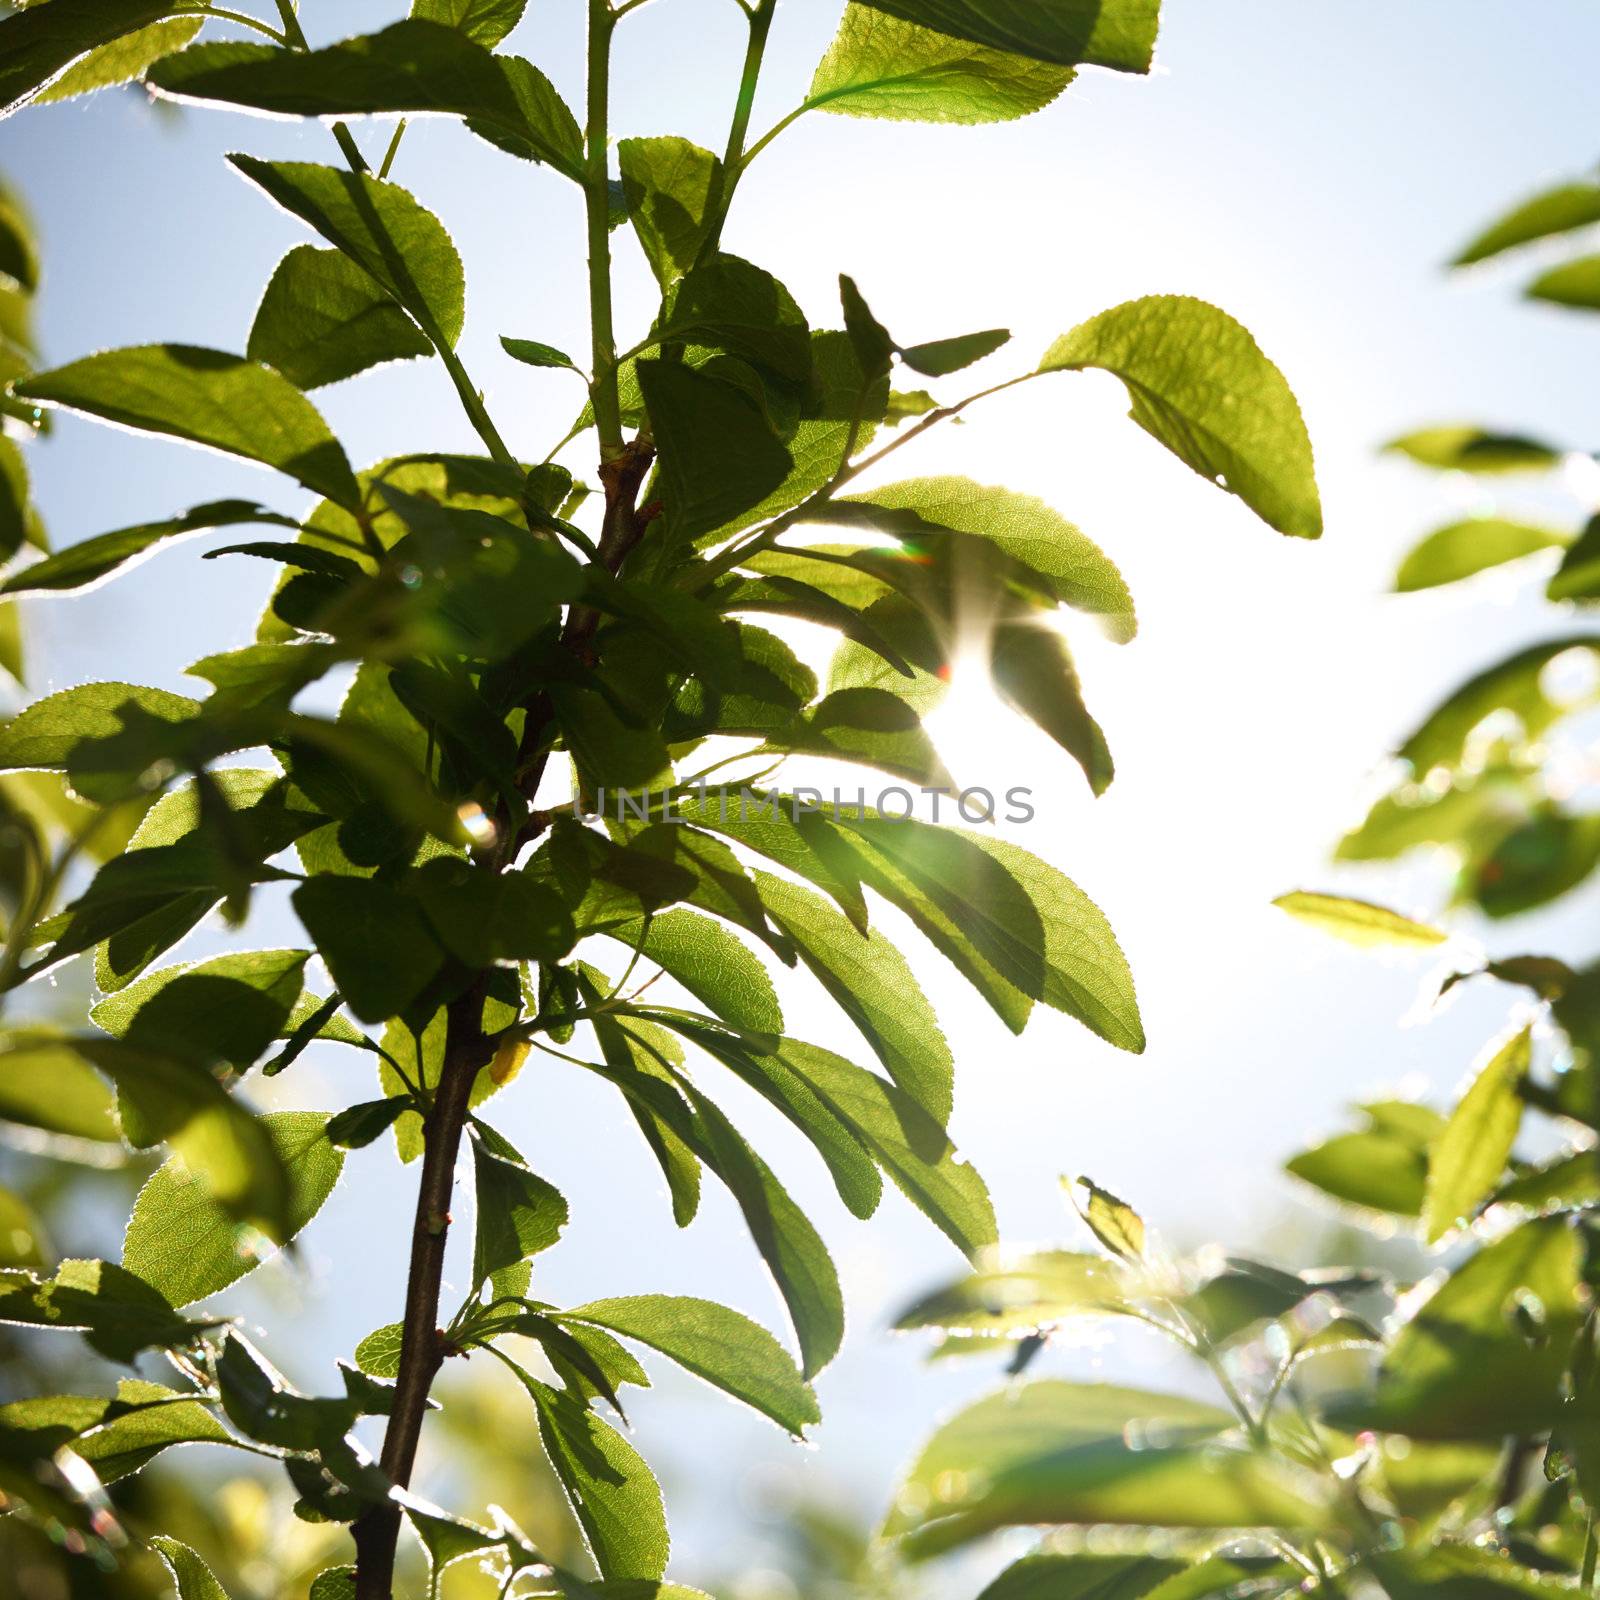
(1017,1296)
(1468,1158)
(185,1246)
(379,1353)
(1557,210)
(357,1126)
(89,562)
(182,1104)
(909,1144)
(871,983)
(482,917)
(668,184)
(122,59)
(789,1244)
(531,353)
(117,1436)
(871,726)
(401,246)
(35,49)
(519,1214)
(1359,922)
(221,1012)
(1048,1575)
(1462,447)
(205,397)
(1575,284)
(485,22)
(882,66)
(1200,384)
(715,1343)
(52,1088)
(711,964)
(192,1576)
(613,1493)
(1085,972)
(1112,1221)
(1057,1452)
(1034,672)
(731,305)
(939,357)
(1384,1167)
(323,318)
(1120,34)
(1463,549)
(118,1314)
(411,66)
(375,940)
(1486,1354)
(448,1539)
(717,455)
(1578,577)
(1515,684)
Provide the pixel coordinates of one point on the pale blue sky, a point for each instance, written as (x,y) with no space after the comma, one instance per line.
(1307,166)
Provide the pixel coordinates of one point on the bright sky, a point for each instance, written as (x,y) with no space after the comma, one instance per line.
(1307,167)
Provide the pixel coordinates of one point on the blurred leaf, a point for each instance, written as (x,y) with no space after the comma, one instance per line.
(1048,1575)
(1112,1221)
(1462,549)
(1469,1156)
(1358,922)
(205,397)
(1057,1452)
(1575,284)
(1384,1168)
(1557,210)
(1018,1295)
(882,66)
(1578,577)
(182,1243)
(1485,1355)
(1200,384)
(1461,447)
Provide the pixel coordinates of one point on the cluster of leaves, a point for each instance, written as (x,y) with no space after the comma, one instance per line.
(492,618)
(1373,1432)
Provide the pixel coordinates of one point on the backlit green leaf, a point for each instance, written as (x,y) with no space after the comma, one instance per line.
(1462,549)
(182,1243)
(205,397)
(1359,922)
(122,59)
(715,1343)
(1102,33)
(884,66)
(1557,210)
(399,245)
(1467,1159)
(1462,447)
(323,318)
(1575,284)
(1201,385)
(193,1577)
(485,22)
(519,1214)
(669,184)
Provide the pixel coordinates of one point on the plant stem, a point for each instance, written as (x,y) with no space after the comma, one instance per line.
(472,403)
(467,1049)
(597,213)
(244,19)
(422,1347)
(733,156)
(1586,1581)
